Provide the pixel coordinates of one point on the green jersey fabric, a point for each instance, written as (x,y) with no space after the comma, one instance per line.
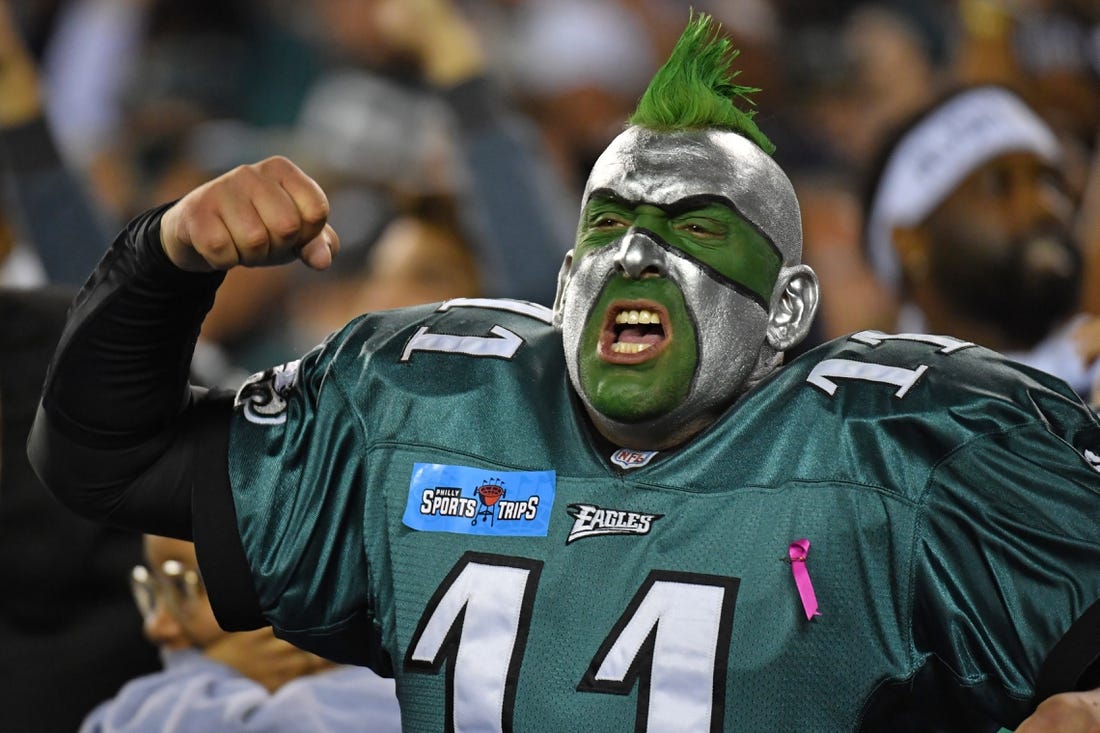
(949,498)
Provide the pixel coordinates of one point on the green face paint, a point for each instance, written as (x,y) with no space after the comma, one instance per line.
(712,236)
(708,231)
(650,388)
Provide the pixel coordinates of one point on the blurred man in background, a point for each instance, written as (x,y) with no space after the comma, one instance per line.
(969,220)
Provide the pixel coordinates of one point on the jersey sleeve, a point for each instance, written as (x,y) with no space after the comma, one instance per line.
(298,483)
(1008,557)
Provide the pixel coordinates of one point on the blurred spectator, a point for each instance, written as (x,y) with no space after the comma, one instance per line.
(579,66)
(1088,229)
(419,257)
(852,298)
(850,79)
(410,105)
(397,101)
(129,79)
(1048,52)
(970,221)
(49,231)
(88,57)
(68,635)
(214,680)
(68,639)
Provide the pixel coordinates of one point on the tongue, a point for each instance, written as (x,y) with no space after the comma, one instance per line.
(639,335)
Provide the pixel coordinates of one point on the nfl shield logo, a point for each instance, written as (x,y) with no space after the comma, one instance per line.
(626,459)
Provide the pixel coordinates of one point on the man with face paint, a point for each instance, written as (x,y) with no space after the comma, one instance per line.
(970,221)
(620,514)
(666,304)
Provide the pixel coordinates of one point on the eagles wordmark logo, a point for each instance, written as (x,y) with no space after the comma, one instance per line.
(590,520)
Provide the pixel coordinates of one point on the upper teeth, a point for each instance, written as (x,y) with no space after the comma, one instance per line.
(640,316)
(620,347)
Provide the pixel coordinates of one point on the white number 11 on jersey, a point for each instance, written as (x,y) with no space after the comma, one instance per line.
(478,620)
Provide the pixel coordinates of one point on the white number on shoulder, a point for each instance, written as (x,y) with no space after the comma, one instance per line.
(826,371)
(947,344)
(501,343)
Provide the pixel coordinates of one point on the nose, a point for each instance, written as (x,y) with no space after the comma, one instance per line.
(164,629)
(640,256)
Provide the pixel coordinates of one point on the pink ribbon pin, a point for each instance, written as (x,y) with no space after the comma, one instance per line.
(797,553)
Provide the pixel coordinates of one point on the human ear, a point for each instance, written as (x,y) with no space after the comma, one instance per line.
(563,280)
(794,303)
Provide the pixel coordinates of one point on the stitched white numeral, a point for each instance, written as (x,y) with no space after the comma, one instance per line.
(502,344)
(947,344)
(477,622)
(523,307)
(825,371)
(672,642)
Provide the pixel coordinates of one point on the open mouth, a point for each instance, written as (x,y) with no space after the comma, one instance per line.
(634,331)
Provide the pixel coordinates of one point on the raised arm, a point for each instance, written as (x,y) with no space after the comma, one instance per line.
(121,436)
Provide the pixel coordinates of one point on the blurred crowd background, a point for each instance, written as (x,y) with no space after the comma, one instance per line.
(375,99)
(453,138)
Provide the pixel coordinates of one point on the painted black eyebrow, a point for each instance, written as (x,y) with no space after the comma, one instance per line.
(680,206)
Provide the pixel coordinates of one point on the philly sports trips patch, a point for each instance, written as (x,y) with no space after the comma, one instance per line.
(466,500)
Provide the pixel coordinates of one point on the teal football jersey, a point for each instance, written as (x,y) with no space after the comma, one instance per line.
(423,492)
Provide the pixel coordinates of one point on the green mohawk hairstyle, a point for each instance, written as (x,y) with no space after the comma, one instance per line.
(694,88)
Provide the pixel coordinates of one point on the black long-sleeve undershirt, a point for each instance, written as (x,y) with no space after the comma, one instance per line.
(120,436)
(117,388)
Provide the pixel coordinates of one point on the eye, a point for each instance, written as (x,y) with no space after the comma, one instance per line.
(608,221)
(1053,179)
(701,228)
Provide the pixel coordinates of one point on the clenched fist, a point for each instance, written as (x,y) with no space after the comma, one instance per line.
(266,213)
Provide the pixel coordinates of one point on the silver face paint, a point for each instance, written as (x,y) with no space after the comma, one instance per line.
(665,167)
(731,329)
